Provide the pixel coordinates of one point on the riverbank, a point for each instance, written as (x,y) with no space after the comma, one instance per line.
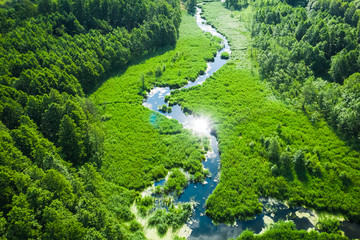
(259,135)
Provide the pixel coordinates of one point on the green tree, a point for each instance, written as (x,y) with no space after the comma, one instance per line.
(191,6)
(286,164)
(46,6)
(299,162)
(339,67)
(51,121)
(22,221)
(60,223)
(58,185)
(3,223)
(11,113)
(70,140)
(274,150)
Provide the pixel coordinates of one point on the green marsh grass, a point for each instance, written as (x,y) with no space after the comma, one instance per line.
(267,147)
(138,139)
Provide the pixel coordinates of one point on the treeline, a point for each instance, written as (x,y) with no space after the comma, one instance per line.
(236,4)
(309,55)
(287,230)
(75,44)
(190,6)
(51,54)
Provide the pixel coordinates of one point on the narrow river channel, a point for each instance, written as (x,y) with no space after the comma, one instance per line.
(201,225)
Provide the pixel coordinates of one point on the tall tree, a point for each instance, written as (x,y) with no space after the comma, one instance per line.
(70,140)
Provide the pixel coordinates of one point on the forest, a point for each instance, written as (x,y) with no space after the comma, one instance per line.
(53,54)
(78,147)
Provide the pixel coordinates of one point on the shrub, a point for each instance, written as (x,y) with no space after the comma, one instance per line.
(158,71)
(329,225)
(176,182)
(162,229)
(225,55)
(135,226)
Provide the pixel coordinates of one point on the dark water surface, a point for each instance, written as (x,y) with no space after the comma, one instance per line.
(201,225)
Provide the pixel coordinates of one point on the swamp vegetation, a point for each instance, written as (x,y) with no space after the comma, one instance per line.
(270,145)
(77,147)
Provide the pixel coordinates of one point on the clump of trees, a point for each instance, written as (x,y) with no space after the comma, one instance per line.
(174,217)
(236,4)
(176,182)
(329,225)
(191,6)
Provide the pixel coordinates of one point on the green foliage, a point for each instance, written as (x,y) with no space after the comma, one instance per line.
(287,230)
(176,182)
(329,225)
(191,6)
(2,225)
(236,4)
(135,226)
(179,238)
(70,140)
(274,150)
(299,163)
(61,223)
(303,165)
(225,55)
(165,109)
(306,54)
(51,144)
(158,172)
(175,217)
(23,224)
(162,228)
(145,204)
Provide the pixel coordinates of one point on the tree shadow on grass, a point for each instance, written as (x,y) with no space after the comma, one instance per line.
(121,70)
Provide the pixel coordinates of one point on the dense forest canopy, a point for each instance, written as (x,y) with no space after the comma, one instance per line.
(52,53)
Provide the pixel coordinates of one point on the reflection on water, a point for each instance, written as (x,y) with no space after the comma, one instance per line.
(200,126)
(201,225)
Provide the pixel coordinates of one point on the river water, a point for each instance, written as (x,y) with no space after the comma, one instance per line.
(201,225)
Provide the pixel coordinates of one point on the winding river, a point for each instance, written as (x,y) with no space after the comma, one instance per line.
(201,225)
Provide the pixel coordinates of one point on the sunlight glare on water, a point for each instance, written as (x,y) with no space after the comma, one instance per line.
(201,126)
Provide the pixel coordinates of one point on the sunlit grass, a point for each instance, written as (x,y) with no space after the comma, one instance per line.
(235,28)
